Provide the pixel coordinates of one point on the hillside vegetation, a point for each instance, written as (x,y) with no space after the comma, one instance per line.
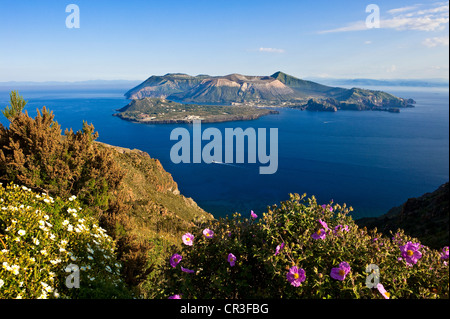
(127,192)
(425,217)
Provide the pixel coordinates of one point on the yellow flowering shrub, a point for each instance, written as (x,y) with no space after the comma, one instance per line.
(53,248)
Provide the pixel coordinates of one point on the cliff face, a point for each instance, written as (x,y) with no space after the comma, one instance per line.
(425,217)
(153,208)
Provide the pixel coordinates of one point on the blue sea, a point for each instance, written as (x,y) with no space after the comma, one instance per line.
(369,160)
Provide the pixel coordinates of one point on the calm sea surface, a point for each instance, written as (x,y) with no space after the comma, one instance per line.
(369,160)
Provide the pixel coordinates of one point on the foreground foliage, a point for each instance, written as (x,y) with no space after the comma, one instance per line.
(302,250)
(128,193)
(41,236)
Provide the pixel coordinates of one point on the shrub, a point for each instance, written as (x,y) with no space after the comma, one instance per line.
(302,250)
(42,236)
(34,153)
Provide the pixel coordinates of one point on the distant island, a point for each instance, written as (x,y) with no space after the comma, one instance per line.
(178,98)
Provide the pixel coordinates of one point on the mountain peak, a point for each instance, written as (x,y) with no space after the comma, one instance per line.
(280,74)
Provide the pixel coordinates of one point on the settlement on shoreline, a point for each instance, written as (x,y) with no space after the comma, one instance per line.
(162,111)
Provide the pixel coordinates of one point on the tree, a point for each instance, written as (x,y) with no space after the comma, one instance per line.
(17,105)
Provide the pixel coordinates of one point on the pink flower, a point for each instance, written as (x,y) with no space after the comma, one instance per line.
(383,291)
(340,228)
(324,224)
(175,260)
(188,239)
(340,272)
(231,259)
(187,270)
(444,254)
(320,234)
(175,297)
(296,276)
(253,215)
(208,233)
(410,252)
(279,248)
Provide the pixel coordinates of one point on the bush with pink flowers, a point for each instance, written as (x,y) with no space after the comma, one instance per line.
(302,250)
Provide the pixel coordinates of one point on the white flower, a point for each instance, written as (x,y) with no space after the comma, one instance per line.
(46,200)
(43,295)
(73,197)
(21,232)
(46,287)
(69,228)
(43,252)
(55,261)
(46,217)
(36,241)
(65,222)
(15,269)
(1,283)
(90,257)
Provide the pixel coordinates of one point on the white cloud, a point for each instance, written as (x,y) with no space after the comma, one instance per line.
(271,50)
(403,9)
(433,18)
(436,41)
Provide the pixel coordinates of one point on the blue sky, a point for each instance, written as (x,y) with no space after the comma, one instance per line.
(133,39)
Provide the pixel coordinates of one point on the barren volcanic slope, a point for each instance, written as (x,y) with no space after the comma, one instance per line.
(277,89)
